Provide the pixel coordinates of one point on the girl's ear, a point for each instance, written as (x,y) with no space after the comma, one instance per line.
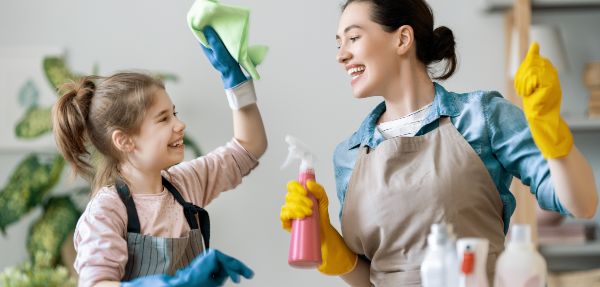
(405,39)
(122,141)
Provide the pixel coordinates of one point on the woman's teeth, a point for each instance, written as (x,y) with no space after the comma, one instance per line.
(356,71)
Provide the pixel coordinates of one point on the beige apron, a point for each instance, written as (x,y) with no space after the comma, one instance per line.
(404,185)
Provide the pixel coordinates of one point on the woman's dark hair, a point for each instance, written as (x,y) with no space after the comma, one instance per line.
(432,45)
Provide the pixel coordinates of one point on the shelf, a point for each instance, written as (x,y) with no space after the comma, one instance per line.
(583,124)
(591,249)
(495,6)
(571,257)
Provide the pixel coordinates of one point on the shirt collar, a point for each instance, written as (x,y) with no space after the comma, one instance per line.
(444,104)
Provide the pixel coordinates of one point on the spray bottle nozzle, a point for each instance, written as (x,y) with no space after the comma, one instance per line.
(298,150)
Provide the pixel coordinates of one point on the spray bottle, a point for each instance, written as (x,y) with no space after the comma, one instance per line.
(440,265)
(305,243)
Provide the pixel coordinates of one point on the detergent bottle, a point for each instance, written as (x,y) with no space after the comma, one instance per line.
(305,242)
(520,265)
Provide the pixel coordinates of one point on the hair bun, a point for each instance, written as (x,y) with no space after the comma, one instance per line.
(443,44)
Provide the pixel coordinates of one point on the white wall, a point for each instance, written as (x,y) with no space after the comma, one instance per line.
(303,92)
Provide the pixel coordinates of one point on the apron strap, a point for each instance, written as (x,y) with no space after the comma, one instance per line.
(133,222)
(189,211)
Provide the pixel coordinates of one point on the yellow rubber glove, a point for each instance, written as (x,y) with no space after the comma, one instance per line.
(537,83)
(338,259)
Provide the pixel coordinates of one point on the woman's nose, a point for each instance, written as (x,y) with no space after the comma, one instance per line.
(343,55)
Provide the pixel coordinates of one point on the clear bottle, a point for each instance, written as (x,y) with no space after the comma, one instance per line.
(440,265)
(520,265)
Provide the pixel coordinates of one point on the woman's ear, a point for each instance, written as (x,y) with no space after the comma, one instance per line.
(122,141)
(405,37)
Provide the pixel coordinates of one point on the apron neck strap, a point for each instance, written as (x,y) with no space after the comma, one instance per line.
(189,211)
(133,222)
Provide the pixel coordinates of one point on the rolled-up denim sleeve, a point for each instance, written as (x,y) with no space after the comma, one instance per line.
(343,163)
(512,144)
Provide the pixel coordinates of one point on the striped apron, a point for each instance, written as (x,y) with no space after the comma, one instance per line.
(149,255)
(400,188)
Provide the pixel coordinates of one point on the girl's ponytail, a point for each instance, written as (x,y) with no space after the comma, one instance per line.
(70,117)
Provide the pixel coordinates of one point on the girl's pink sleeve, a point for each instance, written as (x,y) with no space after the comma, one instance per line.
(204,178)
(100,239)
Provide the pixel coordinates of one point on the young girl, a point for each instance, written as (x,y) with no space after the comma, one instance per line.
(145,223)
(426,155)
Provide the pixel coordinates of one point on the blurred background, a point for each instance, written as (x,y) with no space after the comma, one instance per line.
(303,92)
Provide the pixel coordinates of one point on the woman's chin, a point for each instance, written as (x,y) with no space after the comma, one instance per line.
(360,93)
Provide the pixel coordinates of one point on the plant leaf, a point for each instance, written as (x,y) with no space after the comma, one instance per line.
(47,234)
(190,143)
(36,122)
(28,94)
(26,187)
(57,72)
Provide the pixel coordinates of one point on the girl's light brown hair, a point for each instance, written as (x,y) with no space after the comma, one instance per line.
(89,111)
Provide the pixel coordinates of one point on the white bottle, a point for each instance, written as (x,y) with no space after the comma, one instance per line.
(472,256)
(440,259)
(520,265)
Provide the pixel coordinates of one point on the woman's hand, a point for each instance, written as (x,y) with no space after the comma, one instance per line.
(538,85)
(338,259)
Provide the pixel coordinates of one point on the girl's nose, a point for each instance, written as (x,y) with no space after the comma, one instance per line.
(179,126)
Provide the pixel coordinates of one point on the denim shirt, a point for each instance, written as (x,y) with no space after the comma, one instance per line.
(495,129)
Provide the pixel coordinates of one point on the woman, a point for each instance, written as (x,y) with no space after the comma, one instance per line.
(426,155)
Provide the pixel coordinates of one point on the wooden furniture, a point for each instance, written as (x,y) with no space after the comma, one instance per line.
(519,19)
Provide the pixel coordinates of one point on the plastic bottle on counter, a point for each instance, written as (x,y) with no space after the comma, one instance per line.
(473,253)
(520,265)
(440,265)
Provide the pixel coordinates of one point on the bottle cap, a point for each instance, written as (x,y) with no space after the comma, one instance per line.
(520,233)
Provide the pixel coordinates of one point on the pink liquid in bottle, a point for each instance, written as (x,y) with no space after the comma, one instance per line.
(305,244)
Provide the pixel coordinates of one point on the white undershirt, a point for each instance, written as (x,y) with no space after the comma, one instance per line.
(406,126)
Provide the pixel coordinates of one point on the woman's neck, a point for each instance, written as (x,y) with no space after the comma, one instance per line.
(141,181)
(411,90)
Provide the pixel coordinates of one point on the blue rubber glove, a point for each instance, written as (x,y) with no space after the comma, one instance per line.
(210,269)
(219,57)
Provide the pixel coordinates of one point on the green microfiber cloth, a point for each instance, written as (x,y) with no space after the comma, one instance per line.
(231,23)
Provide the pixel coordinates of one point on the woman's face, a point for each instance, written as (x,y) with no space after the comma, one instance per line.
(366,52)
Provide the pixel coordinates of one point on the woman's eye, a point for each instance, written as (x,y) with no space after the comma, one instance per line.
(353,39)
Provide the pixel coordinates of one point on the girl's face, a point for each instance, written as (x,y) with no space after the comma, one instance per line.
(366,51)
(159,143)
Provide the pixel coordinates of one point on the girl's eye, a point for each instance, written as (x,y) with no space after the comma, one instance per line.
(175,114)
(163,120)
